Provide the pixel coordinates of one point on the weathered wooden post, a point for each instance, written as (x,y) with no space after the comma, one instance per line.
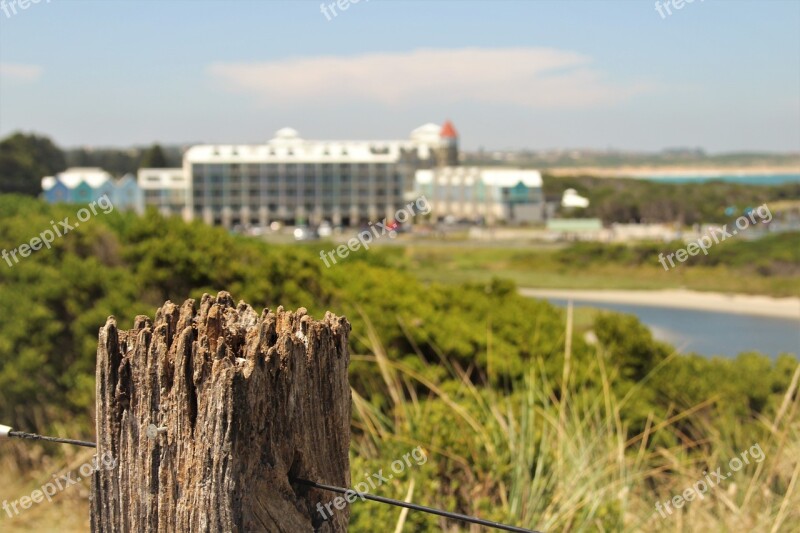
(241,403)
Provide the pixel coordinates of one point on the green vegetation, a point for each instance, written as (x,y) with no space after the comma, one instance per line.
(771,265)
(518,427)
(629,200)
(119,161)
(695,158)
(154,158)
(25,160)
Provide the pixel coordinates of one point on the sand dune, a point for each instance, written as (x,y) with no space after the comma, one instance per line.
(676,171)
(743,304)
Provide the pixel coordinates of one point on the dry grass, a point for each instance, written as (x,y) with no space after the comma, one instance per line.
(29,466)
(562,457)
(570,463)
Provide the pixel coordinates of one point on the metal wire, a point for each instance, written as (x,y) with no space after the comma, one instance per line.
(331,488)
(415,507)
(34,436)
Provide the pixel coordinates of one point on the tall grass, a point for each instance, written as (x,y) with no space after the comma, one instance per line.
(559,457)
(551,456)
(26,467)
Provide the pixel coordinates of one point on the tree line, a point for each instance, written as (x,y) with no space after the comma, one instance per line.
(25,158)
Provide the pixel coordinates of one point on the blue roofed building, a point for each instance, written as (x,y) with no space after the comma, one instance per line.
(55,192)
(164,189)
(128,195)
(487,194)
(85,185)
(83,193)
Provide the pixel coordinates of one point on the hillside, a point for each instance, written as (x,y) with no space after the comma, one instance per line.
(517,427)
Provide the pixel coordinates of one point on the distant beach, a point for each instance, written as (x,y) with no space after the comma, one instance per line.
(742,304)
(764,175)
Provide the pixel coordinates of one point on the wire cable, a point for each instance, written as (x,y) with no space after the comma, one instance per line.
(415,507)
(330,488)
(34,436)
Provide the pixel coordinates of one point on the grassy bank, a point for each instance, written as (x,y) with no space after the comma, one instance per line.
(522,420)
(770,266)
(548,453)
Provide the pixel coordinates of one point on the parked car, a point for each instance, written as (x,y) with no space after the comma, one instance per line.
(304,233)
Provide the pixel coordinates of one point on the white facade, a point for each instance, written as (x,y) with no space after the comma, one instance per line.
(293,180)
(487,193)
(571,198)
(82,185)
(165,189)
(288,147)
(72,177)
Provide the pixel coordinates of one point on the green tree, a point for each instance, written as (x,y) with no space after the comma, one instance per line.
(629,344)
(79,158)
(25,160)
(154,158)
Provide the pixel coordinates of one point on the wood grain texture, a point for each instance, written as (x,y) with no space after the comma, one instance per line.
(248,401)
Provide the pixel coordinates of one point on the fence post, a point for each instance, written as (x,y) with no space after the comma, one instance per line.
(241,403)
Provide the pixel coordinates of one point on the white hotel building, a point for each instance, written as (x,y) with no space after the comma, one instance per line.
(297,181)
(164,189)
(488,194)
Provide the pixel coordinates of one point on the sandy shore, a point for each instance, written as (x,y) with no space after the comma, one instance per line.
(675,171)
(742,304)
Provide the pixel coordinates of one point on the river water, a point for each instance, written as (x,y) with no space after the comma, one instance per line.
(711,333)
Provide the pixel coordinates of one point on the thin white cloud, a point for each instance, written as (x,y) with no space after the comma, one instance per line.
(525,77)
(20,72)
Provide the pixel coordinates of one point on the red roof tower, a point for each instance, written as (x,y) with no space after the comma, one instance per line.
(448,131)
(447,152)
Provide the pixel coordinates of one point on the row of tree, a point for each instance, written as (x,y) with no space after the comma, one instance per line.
(26,158)
(641,201)
(53,302)
(475,374)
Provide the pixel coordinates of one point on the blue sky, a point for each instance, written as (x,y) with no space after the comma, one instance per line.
(719,74)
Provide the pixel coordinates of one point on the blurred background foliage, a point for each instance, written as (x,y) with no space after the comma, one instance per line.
(516,428)
(626,200)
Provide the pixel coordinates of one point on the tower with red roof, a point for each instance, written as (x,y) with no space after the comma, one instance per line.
(448,152)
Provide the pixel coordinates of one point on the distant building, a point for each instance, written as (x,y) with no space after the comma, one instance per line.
(577,229)
(490,194)
(571,198)
(75,185)
(644,232)
(165,189)
(109,188)
(448,148)
(83,185)
(83,193)
(297,181)
(55,192)
(128,196)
